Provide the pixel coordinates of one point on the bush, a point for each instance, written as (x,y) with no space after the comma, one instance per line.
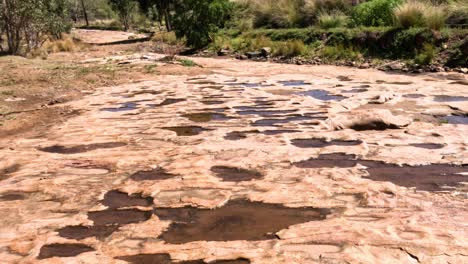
(197,20)
(289,49)
(375,13)
(166,37)
(332,20)
(282,13)
(426,55)
(435,17)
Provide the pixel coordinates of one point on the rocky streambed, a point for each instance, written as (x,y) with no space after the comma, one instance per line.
(253,163)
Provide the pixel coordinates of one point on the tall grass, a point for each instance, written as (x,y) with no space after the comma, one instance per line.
(332,20)
(420,14)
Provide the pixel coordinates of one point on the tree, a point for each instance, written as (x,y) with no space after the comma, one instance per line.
(196,20)
(29,22)
(85,14)
(124,9)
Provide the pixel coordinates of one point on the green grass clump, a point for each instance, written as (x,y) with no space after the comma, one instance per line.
(187,63)
(420,14)
(340,52)
(332,20)
(290,48)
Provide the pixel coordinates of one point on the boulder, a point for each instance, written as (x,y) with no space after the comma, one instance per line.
(266,51)
(373,119)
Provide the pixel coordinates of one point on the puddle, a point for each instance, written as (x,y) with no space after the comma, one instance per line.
(211,102)
(322,95)
(447,98)
(168,101)
(118,199)
(237,220)
(294,83)
(235,174)
(184,131)
(118,216)
(124,107)
(427,145)
(455,120)
(279,131)
(414,96)
(63,250)
(321,143)
(206,117)
(152,175)
(82,232)
(164,258)
(265,112)
(81,148)
(433,177)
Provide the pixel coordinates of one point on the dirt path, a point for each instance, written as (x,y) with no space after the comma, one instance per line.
(298,164)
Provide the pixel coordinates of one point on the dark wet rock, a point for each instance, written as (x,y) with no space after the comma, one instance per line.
(206,117)
(152,92)
(118,216)
(276,122)
(355,90)
(81,232)
(265,51)
(237,220)
(322,95)
(339,160)
(447,98)
(5,172)
(294,83)
(373,119)
(152,175)
(168,101)
(344,78)
(130,106)
(63,250)
(160,258)
(118,199)
(321,143)
(201,81)
(460,82)
(235,174)
(265,112)
(12,196)
(81,148)
(237,135)
(211,102)
(432,177)
(428,145)
(184,131)
(164,258)
(253,54)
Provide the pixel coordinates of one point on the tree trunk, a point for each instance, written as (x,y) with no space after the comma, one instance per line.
(85,13)
(167,20)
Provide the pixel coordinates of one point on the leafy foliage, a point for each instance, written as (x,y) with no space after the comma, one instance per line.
(124,9)
(375,13)
(196,20)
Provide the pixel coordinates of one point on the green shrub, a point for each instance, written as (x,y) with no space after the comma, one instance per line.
(375,13)
(166,37)
(340,52)
(289,49)
(187,63)
(332,20)
(426,55)
(458,14)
